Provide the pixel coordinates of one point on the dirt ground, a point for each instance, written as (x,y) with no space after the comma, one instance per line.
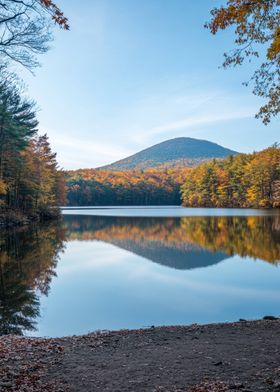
(242,356)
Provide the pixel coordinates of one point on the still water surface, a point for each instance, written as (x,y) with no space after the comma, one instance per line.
(136,267)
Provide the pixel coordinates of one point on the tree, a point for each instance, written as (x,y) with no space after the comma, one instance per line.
(30,180)
(25,29)
(133,187)
(257,27)
(17,125)
(45,171)
(245,180)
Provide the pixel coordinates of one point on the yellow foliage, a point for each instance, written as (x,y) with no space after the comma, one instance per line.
(3,187)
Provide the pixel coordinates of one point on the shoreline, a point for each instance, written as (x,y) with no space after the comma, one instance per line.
(221,357)
(15,218)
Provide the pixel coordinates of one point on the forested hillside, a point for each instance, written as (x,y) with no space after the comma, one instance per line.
(30,181)
(181,151)
(246,180)
(150,187)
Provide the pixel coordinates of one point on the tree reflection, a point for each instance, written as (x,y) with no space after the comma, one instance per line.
(187,242)
(254,236)
(28,258)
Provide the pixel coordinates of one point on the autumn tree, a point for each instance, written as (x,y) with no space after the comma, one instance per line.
(30,180)
(17,125)
(257,35)
(245,180)
(44,171)
(134,187)
(25,29)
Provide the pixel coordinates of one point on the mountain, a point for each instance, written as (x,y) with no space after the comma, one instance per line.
(181,151)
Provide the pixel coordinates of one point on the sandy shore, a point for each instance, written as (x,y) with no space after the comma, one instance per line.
(242,356)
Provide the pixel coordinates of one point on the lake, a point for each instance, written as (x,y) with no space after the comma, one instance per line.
(113,268)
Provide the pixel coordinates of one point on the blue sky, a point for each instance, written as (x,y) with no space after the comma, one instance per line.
(132,73)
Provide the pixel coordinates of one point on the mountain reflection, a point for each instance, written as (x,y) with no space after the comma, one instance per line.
(183,243)
(28,258)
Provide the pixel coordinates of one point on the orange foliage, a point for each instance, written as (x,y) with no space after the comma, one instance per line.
(101,187)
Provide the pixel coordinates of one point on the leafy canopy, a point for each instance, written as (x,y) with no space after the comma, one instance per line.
(257,27)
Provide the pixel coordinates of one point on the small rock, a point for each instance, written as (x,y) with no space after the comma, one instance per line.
(236,386)
(5,384)
(270,318)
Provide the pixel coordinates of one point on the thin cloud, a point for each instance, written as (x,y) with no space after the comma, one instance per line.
(74,153)
(191,122)
(147,121)
(154,119)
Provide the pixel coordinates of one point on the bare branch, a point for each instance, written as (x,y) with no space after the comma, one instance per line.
(25,29)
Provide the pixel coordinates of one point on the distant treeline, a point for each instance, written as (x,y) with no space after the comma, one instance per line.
(30,181)
(150,187)
(245,180)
